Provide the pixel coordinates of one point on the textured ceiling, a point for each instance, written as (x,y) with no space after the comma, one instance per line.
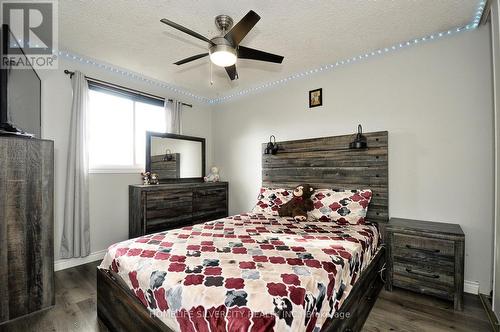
(128,34)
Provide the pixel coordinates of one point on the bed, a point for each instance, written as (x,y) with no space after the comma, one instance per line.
(260,272)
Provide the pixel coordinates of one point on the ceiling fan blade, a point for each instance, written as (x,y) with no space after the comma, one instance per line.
(191,58)
(240,30)
(186,30)
(231,71)
(253,54)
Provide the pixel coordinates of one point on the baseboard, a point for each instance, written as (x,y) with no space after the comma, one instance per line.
(62,264)
(486,300)
(471,287)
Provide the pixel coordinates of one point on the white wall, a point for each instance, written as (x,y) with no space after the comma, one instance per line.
(435,100)
(108,192)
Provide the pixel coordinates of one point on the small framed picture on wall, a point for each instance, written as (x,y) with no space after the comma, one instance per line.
(315,98)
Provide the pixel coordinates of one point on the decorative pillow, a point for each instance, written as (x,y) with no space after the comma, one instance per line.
(269,200)
(342,207)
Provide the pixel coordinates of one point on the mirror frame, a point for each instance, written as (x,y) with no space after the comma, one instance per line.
(150,135)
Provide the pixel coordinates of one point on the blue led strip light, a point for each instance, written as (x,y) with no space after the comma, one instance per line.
(474,24)
(478,14)
(132,75)
(471,26)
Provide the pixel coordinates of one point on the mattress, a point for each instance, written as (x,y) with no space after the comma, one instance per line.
(249,272)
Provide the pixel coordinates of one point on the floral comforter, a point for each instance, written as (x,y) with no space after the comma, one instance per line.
(249,272)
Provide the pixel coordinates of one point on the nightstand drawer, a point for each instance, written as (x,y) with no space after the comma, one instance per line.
(422,280)
(424,274)
(407,256)
(418,246)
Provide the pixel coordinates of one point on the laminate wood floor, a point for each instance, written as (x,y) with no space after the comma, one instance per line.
(75,310)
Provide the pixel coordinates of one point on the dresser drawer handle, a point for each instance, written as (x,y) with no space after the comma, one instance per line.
(210,193)
(423,274)
(423,249)
(171,198)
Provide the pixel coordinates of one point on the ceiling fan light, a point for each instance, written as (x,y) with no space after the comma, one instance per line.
(223,55)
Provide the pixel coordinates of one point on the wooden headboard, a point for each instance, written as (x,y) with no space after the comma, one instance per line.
(327,162)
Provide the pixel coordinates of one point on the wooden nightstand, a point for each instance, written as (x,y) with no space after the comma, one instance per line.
(426,257)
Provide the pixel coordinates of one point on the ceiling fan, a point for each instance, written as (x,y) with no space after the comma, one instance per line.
(225,49)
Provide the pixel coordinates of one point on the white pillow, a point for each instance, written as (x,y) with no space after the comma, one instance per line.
(342,207)
(270,199)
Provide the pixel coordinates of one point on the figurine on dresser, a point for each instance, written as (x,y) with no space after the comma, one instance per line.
(213,176)
(150,178)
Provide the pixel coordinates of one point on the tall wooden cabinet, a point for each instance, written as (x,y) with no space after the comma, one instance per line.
(26,226)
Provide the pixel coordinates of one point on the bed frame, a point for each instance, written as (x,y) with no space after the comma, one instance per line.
(324,162)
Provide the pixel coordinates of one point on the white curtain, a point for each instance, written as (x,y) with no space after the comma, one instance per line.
(173,109)
(75,240)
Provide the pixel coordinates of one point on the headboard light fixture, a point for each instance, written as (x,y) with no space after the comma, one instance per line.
(272,147)
(168,155)
(360,140)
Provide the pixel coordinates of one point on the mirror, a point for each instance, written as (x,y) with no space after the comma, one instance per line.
(175,157)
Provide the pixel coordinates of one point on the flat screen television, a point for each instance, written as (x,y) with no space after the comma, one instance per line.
(20,94)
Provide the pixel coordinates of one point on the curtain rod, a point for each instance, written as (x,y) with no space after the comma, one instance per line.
(71,73)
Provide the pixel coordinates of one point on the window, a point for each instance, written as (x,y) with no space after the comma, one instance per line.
(118,121)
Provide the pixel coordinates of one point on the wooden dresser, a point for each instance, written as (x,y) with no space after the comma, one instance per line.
(155,208)
(26,226)
(426,257)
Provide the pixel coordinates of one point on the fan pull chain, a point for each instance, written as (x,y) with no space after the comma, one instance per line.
(211,76)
